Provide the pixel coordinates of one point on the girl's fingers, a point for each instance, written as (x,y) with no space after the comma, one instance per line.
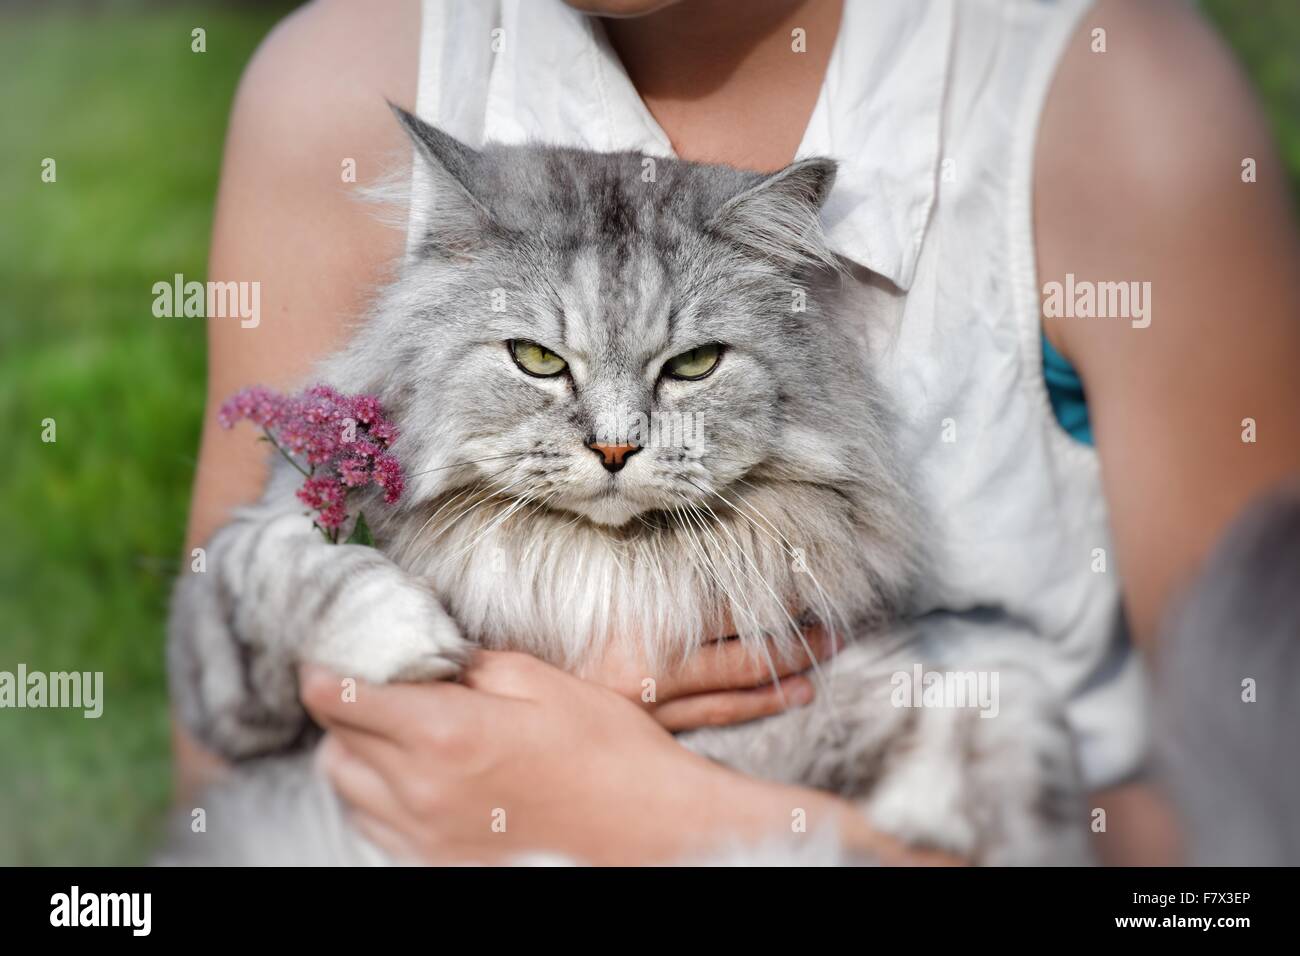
(731,665)
(384,709)
(383,836)
(513,675)
(734,706)
(388,758)
(363,788)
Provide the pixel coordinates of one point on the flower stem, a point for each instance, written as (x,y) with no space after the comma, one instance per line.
(287,456)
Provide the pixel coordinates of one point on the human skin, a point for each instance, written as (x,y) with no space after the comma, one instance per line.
(1137,177)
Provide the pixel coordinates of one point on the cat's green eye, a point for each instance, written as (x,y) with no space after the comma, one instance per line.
(696,363)
(536,359)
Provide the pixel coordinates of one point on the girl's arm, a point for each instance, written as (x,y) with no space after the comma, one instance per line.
(1139,178)
(312,98)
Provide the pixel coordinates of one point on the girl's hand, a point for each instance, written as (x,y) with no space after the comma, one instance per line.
(724,683)
(522,757)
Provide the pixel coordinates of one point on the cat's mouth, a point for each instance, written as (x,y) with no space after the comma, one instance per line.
(616,508)
(643,524)
(609,507)
(615,514)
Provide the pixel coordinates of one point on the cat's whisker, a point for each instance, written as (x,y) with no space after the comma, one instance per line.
(540,504)
(429,541)
(656,551)
(467,490)
(760,577)
(432,540)
(737,578)
(471,461)
(702,566)
(569,524)
(684,515)
(825,615)
(740,571)
(796,629)
(654,545)
(744,553)
(706,533)
(416,539)
(829,611)
(496,523)
(536,541)
(491,494)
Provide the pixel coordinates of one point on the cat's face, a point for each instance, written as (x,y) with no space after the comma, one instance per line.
(619,387)
(612,336)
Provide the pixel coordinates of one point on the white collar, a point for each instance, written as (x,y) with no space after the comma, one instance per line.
(878,112)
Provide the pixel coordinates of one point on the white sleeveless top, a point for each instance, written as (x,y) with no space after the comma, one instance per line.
(931,108)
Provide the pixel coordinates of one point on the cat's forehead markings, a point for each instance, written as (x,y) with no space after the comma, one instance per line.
(584,303)
(585,274)
(654,306)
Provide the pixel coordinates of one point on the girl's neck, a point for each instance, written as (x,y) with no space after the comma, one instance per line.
(730,82)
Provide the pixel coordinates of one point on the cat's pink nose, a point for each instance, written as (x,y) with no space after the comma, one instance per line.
(613,456)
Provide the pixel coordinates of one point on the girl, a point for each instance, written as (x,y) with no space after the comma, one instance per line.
(987,149)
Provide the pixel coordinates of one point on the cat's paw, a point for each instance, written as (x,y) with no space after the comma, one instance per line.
(233,697)
(394,629)
(233,662)
(924,814)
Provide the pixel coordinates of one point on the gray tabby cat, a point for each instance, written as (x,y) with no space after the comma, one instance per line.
(557,303)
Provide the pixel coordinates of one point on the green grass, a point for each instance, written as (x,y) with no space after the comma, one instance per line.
(92,525)
(1265,35)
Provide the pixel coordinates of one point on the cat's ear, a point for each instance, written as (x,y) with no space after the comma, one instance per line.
(460,213)
(779,216)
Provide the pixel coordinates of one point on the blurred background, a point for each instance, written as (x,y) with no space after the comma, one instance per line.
(91,526)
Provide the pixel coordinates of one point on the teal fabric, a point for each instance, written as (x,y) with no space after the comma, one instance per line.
(1065,389)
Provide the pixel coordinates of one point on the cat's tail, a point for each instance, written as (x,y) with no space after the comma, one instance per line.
(1227,696)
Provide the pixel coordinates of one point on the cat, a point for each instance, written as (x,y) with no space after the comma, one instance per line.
(1225,707)
(555,301)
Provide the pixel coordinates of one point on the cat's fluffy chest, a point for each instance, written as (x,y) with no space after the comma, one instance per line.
(564,590)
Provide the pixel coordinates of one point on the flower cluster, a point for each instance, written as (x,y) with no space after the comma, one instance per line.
(339,442)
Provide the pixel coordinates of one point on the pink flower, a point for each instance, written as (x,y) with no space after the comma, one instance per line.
(388,475)
(383,431)
(259,405)
(339,442)
(367,410)
(332,518)
(354,472)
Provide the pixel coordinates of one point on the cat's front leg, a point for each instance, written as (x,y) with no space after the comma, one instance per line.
(997,786)
(1028,791)
(275,594)
(936,775)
